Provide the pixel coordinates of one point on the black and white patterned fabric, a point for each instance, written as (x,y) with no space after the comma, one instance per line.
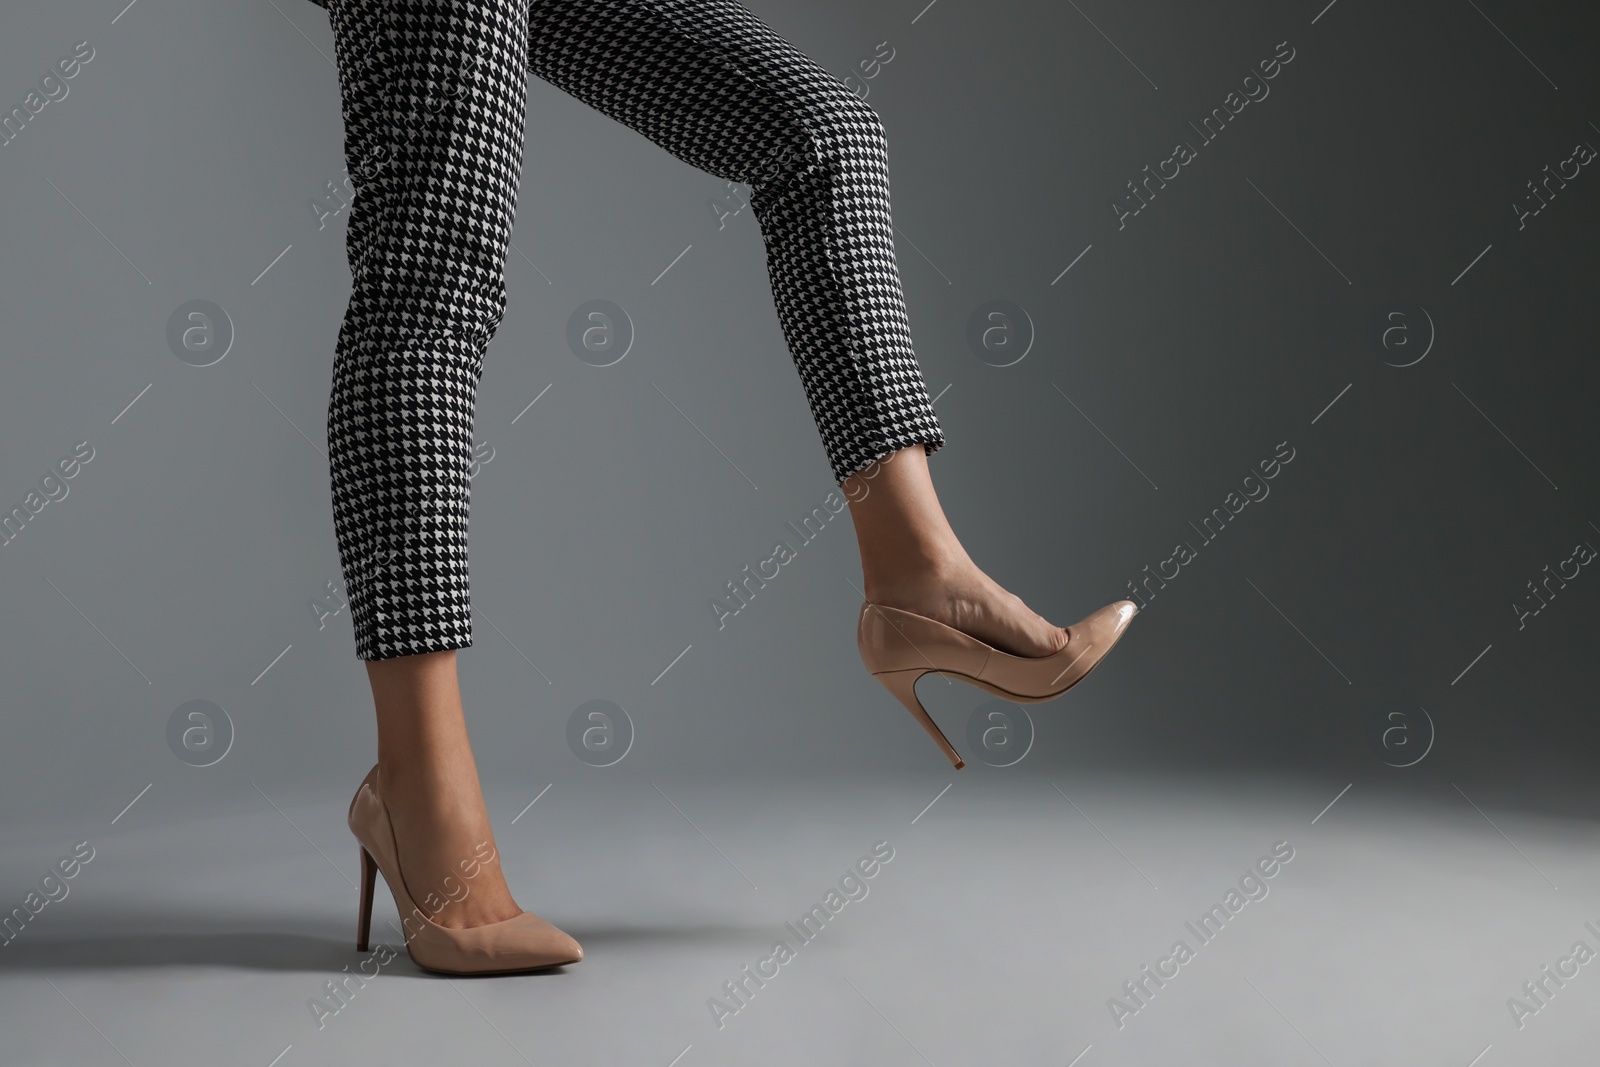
(433,102)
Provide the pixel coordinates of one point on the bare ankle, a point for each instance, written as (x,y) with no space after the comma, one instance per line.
(918,574)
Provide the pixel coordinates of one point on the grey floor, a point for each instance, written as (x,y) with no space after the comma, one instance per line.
(1014,908)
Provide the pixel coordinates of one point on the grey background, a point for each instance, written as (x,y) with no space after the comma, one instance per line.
(1223,319)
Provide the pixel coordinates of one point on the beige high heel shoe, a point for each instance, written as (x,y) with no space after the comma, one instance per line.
(898,647)
(522,943)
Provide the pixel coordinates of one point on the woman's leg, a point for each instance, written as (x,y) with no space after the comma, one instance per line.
(716,87)
(432,95)
(429,782)
(911,559)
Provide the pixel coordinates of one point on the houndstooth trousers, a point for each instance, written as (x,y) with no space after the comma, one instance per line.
(433,97)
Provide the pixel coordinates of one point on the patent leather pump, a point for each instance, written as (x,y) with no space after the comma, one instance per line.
(521,943)
(898,647)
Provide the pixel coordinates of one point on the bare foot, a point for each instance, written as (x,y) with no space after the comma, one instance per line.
(447,851)
(960,595)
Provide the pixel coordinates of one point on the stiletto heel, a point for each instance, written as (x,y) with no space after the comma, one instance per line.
(898,647)
(903,684)
(369,875)
(516,945)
